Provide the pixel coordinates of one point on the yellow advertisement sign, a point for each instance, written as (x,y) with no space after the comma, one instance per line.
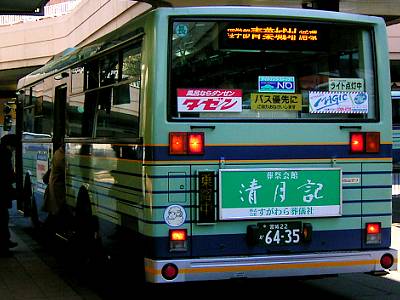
(265,101)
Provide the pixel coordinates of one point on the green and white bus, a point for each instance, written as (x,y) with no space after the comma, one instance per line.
(223,142)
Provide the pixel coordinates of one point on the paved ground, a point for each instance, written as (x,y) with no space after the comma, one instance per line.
(31,273)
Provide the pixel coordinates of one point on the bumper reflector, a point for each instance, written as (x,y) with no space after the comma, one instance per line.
(387,261)
(169,271)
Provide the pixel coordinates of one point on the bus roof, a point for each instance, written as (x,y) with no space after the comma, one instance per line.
(125,33)
(187,3)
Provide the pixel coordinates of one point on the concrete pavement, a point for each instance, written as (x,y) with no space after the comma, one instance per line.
(31,273)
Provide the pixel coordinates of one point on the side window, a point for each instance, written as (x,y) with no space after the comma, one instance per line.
(80,114)
(131,61)
(118,106)
(109,68)
(38,109)
(27,123)
(109,104)
(77,80)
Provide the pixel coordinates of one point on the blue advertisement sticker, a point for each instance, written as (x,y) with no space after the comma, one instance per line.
(276,84)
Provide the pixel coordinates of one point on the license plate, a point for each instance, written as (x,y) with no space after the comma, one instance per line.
(279,234)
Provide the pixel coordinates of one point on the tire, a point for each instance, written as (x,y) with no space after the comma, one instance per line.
(86,224)
(86,245)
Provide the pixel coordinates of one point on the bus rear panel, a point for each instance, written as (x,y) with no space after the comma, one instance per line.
(274,156)
(212,143)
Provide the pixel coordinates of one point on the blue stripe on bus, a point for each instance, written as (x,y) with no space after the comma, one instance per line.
(105,185)
(255,152)
(367,172)
(270,152)
(367,187)
(396,155)
(367,201)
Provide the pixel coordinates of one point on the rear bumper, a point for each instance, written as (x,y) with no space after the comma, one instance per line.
(220,268)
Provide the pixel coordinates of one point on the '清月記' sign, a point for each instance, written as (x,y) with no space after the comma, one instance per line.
(279,193)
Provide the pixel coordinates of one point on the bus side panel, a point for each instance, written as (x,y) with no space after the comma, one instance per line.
(35,163)
(112,176)
(377,199)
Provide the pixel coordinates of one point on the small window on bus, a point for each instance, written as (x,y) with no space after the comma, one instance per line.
(118,112)
(112,110)
(38,115)
(131,60)
(271,70)
(77,80)
(91,70)
(27,97)
(109,69)
(80,114)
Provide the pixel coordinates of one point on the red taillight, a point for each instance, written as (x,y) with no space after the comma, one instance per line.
(373,233)
(372,143)
(196,143)
(365,142)
(356,142)
(373,228)
(177,143)
(181,143)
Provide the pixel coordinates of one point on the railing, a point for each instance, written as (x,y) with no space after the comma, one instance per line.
(50,11)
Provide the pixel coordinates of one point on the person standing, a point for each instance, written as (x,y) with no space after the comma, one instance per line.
(55,199)
(8,192)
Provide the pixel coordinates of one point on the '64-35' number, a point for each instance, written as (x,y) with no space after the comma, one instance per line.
(286,236)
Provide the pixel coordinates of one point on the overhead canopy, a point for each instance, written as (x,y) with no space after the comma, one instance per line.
(22,7)
(388,9)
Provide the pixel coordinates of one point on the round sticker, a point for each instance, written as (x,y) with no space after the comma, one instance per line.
(174,215)
(360,98)
(181,30)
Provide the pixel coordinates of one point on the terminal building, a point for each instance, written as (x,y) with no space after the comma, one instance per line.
(30,40)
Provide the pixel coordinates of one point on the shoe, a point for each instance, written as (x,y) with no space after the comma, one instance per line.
(12,244)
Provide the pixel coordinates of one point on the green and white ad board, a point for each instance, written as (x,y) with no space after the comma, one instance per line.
(279,193)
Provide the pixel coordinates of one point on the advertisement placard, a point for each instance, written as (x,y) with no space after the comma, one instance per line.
(279,193)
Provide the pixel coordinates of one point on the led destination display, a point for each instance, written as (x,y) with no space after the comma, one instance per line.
(271,35)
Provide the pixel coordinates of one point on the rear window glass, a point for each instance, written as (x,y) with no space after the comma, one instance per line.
(270,70)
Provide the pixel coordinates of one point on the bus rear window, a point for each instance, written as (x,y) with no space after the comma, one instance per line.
(270,70)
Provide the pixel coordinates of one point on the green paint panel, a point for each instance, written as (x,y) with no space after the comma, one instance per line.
(279,193)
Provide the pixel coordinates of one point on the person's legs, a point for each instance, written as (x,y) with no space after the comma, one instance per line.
(4,230)
(5,236)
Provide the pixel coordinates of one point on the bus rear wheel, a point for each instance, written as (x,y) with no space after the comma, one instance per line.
(87,248)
